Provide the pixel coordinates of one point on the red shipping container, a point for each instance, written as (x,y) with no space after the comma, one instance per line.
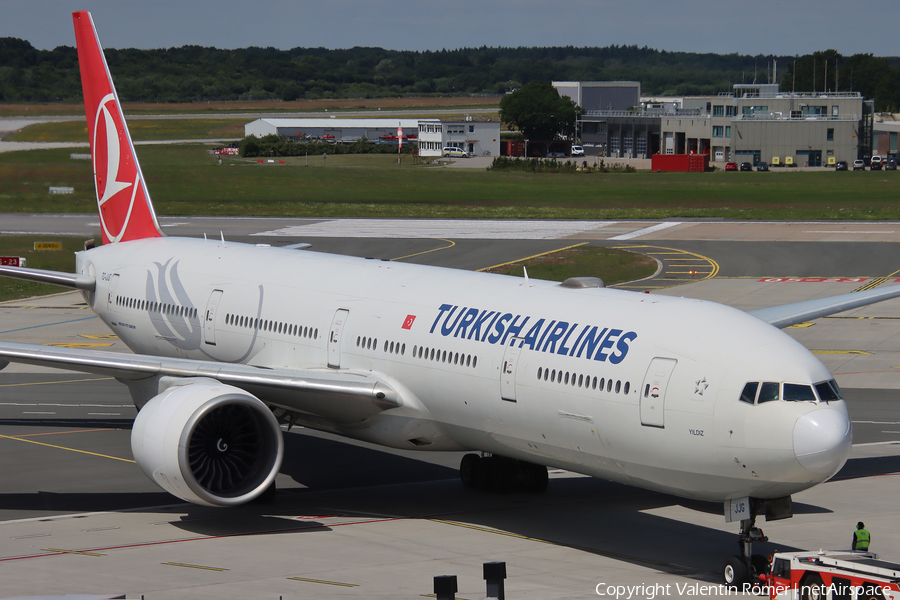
(697,163)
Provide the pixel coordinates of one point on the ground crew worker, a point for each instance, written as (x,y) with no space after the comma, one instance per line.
(861,538)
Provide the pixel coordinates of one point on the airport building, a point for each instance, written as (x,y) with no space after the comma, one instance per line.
(754,123)
(885,130)
(602,95)
(477,136)
(334,130)
(613,123)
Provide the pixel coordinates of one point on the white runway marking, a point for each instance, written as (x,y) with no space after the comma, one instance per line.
(433,228)
(646,230)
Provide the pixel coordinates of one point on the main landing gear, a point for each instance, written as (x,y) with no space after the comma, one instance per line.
(501,474)
(747,567)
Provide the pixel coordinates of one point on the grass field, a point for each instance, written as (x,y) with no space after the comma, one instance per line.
(266,106)
(53,260)
(611,265)
(186,180)
(155,129)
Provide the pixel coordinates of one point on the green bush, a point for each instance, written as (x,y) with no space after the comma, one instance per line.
(544,165)
(279,145)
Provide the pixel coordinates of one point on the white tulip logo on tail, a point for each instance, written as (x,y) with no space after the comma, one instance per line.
(112,219)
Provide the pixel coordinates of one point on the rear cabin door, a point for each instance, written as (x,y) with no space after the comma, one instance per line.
(334,338)
(508,370)
(209,319)
(653,392)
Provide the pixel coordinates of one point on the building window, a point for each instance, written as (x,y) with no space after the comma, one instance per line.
(718,130)
(835,111)
(729,111)
(718,110)
(471,129)
(728,131)
(751,110)
(829,135)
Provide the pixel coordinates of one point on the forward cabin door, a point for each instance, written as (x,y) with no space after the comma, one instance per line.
(334,338)
(111,299)
(209,318)
(508,370)
(653,392)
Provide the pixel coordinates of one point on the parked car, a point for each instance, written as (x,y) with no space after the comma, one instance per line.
(875,163)
(746,167)
(454,152)
(841,165)
(890,165)
(762,166)
(731,166)
(859,165)
(577,151)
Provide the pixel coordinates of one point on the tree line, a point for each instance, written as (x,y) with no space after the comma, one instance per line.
(201,73)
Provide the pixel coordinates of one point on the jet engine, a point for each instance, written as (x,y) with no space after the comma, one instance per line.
(208,443)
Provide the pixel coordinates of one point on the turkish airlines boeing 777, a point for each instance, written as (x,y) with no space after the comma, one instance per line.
(681,396)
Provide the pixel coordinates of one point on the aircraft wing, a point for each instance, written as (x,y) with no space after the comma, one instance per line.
(73,280)
(338,396)
(797,312)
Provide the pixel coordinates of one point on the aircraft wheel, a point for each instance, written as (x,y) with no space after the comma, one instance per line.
(502,475)
(471,471)
(734,573)
(759,563)
(537,478)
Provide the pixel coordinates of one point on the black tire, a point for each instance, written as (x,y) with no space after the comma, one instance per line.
(470,471)
(760,565)
(812,587)
(734,573)
(538,479)
(501,475)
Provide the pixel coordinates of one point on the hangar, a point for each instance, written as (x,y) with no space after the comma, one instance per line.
(334,129)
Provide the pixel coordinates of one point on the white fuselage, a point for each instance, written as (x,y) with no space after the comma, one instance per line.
(642,389)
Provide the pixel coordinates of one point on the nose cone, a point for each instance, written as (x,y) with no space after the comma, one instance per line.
(822,440)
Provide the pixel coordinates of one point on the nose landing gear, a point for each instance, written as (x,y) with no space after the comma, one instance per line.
(748,567)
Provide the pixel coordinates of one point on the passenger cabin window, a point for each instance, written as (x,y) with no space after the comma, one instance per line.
(796,392)
(749,393)
(769,392)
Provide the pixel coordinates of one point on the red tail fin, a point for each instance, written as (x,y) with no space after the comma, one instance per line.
(126,212)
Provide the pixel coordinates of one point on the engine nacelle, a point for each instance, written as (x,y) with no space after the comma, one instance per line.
(208,443)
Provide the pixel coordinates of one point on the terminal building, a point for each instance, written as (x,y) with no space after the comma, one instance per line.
(753,123)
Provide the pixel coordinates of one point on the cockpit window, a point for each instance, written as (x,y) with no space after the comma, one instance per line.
(828,390)
(769,392)
(749,393)
(798,392)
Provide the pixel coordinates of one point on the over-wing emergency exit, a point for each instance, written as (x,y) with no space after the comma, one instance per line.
(681,396)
